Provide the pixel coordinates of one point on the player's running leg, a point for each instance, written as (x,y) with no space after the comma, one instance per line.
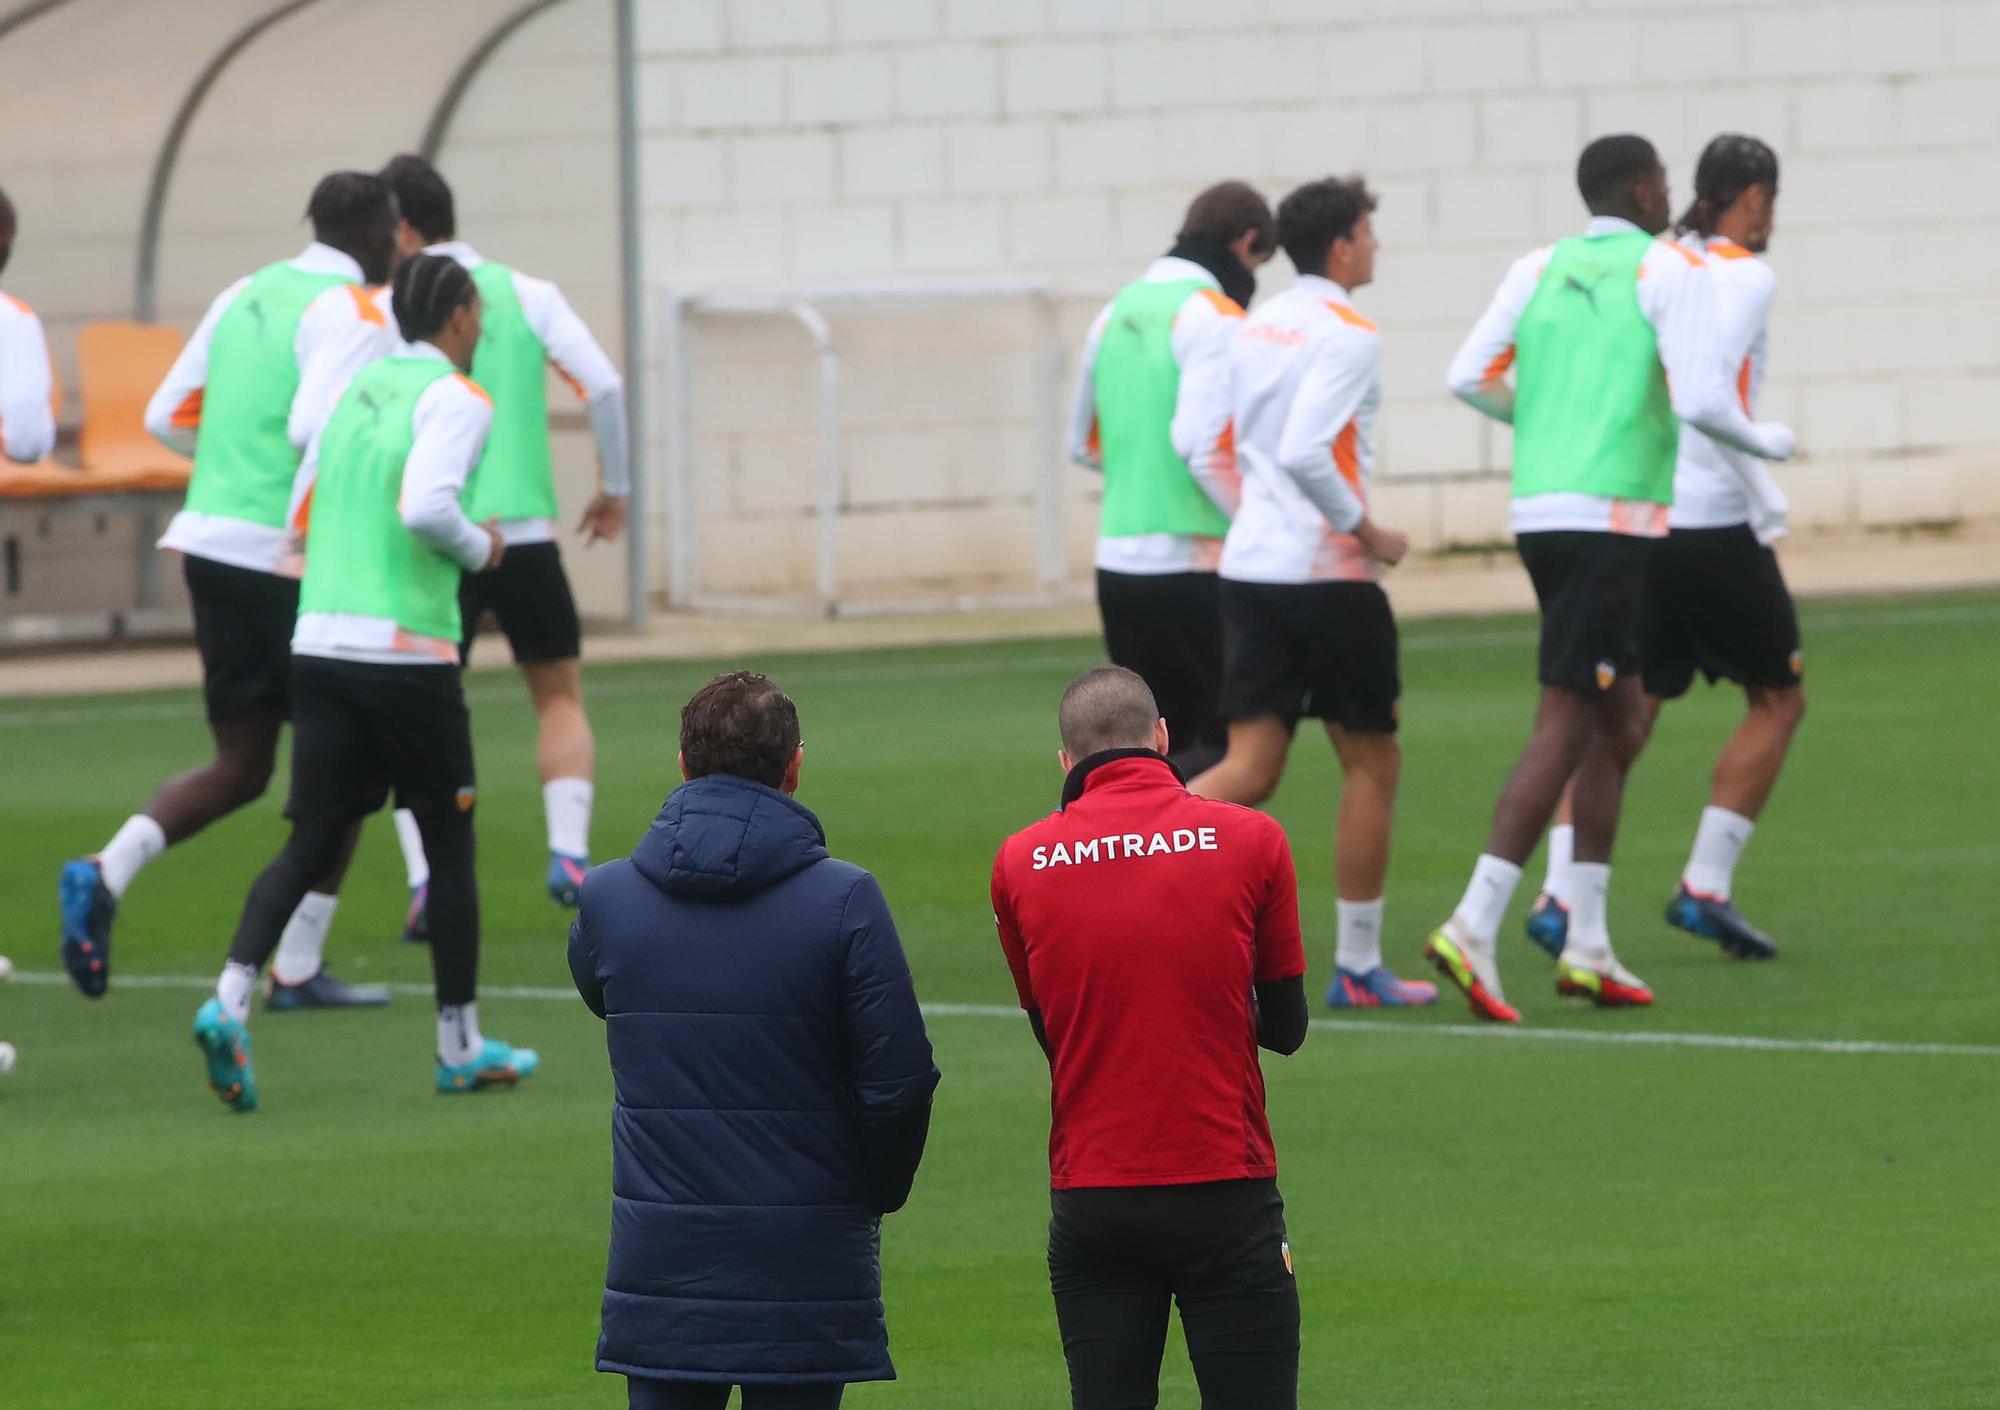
(1745,774)
(1462,949)
(1548,922)
(1255,761)
(566,756)
(417,871)
(221,1026)
(466,1059)
(1588,967)
(90,888)
(1371,764)
(299,978)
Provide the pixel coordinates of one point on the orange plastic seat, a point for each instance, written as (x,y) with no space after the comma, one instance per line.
(120,365)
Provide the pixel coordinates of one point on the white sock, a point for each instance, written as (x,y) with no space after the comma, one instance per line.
(1562,851)
(233,989)
(1485,902)
(134,845)
(1718,842)
(1358,946)
(304,940)
(1589,926)
(458,1034)
(411,839)
(566,801)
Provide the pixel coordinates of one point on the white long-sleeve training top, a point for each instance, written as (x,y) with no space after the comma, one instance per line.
(1677,296)
(1716,485)
(1203,329)
(27,418)
(1306,372)
(578,360)
(342,331)
(451,420)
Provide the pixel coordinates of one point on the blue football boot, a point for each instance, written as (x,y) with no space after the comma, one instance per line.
(87,909)
(497,1065)
(566,875)
(1548,925)
(322,991)
(225,1042)
(1714,918)
(1378,989)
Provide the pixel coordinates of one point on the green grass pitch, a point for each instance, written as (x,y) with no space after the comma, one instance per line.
(1489,1221)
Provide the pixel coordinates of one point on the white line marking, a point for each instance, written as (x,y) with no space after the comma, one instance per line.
(1742,1042)
(40,717)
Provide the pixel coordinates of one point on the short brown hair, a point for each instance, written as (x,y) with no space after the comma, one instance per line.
(1107,707)
(1225,211)
(1317,214)
(742,724)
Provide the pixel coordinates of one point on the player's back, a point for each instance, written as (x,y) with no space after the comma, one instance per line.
(1708,475)
(27,417)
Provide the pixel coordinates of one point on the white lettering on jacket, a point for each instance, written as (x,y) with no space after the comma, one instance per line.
(1113,846)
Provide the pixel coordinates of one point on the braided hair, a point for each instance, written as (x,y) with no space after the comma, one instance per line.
(428,289)
(1729,166)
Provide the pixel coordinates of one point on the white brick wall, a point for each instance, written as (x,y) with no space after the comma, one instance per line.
(1062,138)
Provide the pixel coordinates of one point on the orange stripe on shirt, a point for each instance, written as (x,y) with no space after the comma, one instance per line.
(473,387)
(17,305)
(1222,303)
(1497,368)
(188,414)
(365,306)
(1347,459)
(574,385)
(1729,249)
(1684,252)
(1351,318)
(1743,385)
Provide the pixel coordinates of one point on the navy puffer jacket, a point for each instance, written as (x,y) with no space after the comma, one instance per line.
(773,1085)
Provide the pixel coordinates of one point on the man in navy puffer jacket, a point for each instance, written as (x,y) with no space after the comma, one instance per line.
(773,1080)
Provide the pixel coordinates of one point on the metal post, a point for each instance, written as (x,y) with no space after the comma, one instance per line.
(826,524)
(638,585)
(676,395)
(1050,557)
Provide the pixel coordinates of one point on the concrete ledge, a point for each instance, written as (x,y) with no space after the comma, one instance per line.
(1849,563)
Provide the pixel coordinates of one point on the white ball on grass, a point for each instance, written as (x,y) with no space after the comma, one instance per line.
(7,1056)
(6,969)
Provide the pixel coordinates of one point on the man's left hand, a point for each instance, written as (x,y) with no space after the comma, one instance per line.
(603,520)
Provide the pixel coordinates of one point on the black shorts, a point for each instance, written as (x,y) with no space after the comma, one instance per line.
(243,623)
(1592,589)
(1323,650)
(528,594)
(360,732)
(1716,602)
(1119,1257)
(1167,627)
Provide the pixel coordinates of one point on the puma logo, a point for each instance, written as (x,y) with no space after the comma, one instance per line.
(1589,291)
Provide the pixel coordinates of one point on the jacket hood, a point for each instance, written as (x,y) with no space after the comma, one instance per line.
(723,838)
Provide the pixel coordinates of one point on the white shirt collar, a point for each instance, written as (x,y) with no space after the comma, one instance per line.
(1321,287)
(424,350)
(1172,269)
(1610,225)
(325,259)
(458,250)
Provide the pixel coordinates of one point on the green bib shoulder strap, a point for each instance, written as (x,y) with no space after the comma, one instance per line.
(1147,487)
(1592,414)
(244,460)
(516,476)
(360,559)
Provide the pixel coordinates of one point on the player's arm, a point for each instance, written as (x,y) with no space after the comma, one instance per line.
(1478,372)
(1745,300)
(27,420)
(452,419)
(1679,296)
(1016,951)
(343,330)
(1282,1015)
(1082,440)
(1342,364)
(584,365)
(891,1068)
(1204,333)
(173,415)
